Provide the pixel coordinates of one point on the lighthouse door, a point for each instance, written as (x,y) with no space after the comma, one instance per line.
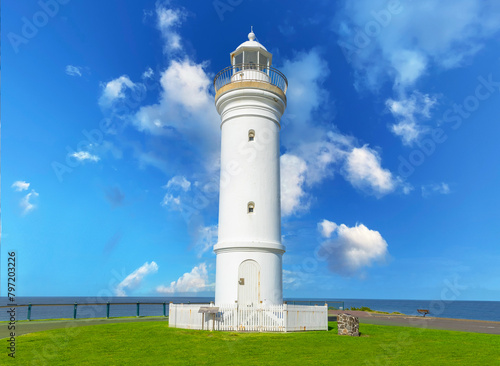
(248,283)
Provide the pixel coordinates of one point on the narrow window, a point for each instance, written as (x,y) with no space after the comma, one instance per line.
(251,207)
(251,135)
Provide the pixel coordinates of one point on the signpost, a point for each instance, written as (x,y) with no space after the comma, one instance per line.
(211,310)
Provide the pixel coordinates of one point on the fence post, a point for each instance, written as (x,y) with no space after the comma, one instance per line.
(138,308)
(164,309)
(74,310)
(29,311)
(107,310)
(285,317)
(326,305)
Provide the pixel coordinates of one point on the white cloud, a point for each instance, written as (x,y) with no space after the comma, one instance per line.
(292,279)
(148,73)
(315,149)
(417,34)
(187,84)
(305,73)
(171,200)
(194,281)
(20,185)
(133,280)
(436,188)
(409,66)
(185,109)
(167,20)
(206,238)
(407,111)
(326,228)
(73,70)
(353,248)
(363,171)
(293,197)
(114,90)
(26,202)
(85,155)
(179,181)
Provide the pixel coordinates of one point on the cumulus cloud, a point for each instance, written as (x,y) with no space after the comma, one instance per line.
(363,170)
(27,204)
(73,70)
(185,109)
(350,249)
(315,149)
(326,228)
(167,20)
(115,90)
(194,281)
(435,188)
(20,186)
(409,112)
(134,280)
(85,155)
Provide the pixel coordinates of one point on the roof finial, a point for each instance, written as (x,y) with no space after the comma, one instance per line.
(251,35)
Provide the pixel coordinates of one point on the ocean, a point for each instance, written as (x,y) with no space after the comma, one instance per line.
(478,310)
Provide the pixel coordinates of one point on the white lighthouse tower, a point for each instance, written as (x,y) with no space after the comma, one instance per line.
(250,98)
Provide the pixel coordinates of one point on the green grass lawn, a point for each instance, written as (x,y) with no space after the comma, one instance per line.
(153,343)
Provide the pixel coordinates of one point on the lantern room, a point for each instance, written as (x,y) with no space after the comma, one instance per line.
(251,55)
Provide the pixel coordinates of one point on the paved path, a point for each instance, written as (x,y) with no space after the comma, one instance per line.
(26,327)
(465,325)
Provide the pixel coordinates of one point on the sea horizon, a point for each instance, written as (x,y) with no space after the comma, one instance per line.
(458,309)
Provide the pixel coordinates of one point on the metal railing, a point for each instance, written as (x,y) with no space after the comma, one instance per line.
(75,306)
(250,72)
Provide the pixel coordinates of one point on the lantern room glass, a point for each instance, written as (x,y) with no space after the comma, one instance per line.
(248,59)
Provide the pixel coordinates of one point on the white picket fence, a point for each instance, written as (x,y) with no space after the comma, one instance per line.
(273,318)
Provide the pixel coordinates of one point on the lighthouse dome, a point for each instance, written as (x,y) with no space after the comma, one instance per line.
(251,43)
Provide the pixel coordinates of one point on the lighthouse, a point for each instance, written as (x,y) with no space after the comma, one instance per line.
(250,96)
(250,99)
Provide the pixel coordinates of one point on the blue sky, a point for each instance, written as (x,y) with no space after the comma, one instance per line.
(390,165)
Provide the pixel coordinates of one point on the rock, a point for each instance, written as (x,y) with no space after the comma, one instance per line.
(348,325)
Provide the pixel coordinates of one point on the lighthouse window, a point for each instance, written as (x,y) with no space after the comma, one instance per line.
(251,207)
(262,62)
(251,135)
(238,59)
(250,58)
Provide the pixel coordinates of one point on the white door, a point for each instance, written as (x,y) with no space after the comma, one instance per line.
(249,283)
